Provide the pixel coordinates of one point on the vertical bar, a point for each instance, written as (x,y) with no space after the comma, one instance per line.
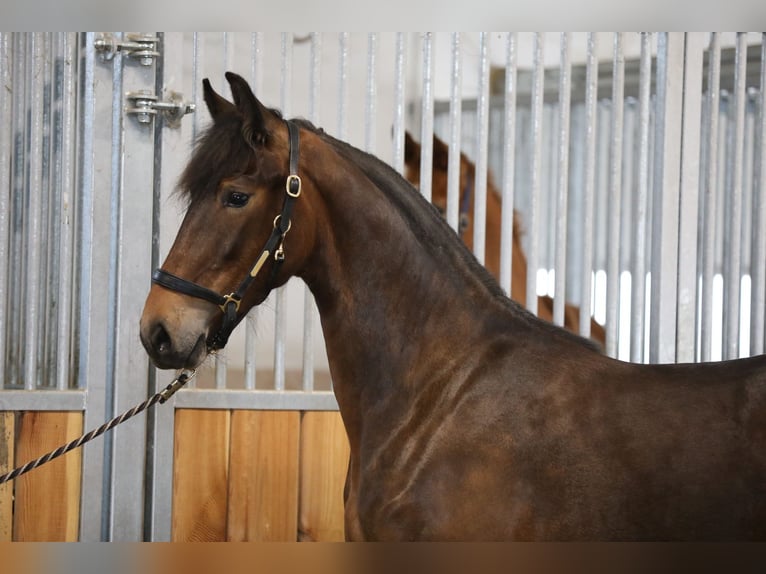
(758,258)
(371,94)
(399,70)
(482,137)
(280,328)
(614,197)
(115,183)
(732,238)
(509,165)
(638,292)
(538,78)
(66,172)
(427,118)
(91,307)
(220,358)
(689,199)
(455,117)
(309,310)
(198,56)
(6,79)
(667,152)
(342,84)
(563,183)
(256,66)
(589,186)
(710,182)
(35,81)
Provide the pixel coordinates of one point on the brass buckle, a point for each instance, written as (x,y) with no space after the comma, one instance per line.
(230,297)
(290,179)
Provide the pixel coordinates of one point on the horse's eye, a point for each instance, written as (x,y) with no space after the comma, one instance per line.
(236,199)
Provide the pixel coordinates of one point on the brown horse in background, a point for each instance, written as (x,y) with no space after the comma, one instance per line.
(468,417)
(492,242)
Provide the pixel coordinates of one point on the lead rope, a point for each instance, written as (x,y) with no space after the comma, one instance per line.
(160,397)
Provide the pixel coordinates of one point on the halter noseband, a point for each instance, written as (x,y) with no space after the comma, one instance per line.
(229,304)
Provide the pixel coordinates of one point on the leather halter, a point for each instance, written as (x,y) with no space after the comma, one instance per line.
(229,304)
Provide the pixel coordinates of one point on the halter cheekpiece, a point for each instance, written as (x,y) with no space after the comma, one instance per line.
(274,247)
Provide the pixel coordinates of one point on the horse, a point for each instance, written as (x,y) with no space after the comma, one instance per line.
(468,418)
(493,223)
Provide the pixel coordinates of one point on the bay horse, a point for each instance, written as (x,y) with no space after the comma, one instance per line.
(466,199)
(468,418)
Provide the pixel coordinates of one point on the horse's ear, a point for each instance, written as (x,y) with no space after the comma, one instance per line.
(216,104)
(441,154)
(411,150)
(253,111)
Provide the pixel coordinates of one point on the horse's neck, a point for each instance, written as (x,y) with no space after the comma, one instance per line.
(379,289)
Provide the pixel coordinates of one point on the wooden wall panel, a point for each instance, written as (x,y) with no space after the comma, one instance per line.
(47,505)
(200,475)
(6,464)
(324,462)
(263,487)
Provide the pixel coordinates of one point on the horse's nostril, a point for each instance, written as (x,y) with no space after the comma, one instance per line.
(161,340)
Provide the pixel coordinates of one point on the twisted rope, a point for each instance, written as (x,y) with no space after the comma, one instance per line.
(160,397)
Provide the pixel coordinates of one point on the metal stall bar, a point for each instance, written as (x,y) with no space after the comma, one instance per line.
(92,212)
(562,188)
(427,118)
(342,85)
(732,237)
(33,212)
(133,202)
(370,94)
(6,79)
(256,73)
(280,325)
(614,199)
(399,103)
(538,43)
(482,137)
(758,258)
(589,185)
(509,164)
(689,199)
(667,152)
(710,183)
(309,307)
(455,115)
(638,291)
(65,181)
(220,358)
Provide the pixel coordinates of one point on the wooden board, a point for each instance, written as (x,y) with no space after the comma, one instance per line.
(6,465)
(324,462)
(47,505)
(200,474)
(263,486)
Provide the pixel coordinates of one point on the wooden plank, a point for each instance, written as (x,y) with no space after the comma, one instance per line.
(47,505)
(200,474)
(324,462)
(6,464)
(263,487)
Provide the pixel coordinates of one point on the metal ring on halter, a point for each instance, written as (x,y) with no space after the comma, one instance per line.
(289,224)
(233,298)
(290,179)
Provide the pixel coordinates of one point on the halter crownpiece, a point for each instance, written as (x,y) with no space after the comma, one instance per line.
(274,247)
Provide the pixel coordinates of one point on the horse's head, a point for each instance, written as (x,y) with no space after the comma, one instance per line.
(439,176)
(233,246)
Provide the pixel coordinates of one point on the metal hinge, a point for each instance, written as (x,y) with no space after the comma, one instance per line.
(145,105)
(140,47)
